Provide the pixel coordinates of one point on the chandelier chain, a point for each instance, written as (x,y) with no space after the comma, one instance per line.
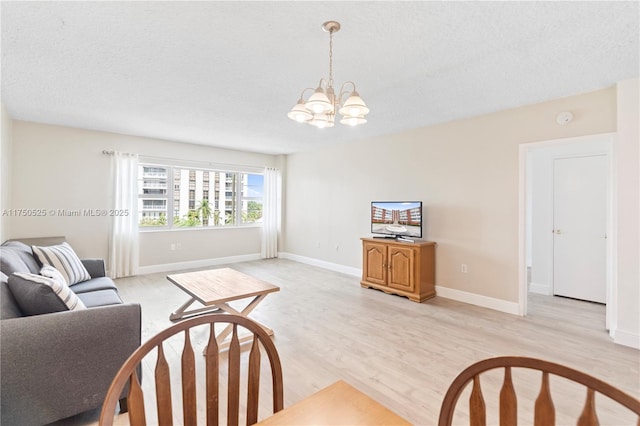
(331,59)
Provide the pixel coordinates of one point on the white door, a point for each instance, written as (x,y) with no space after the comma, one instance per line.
(579,221)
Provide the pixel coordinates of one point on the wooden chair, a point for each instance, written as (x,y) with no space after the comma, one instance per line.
(213,366)
(544,411)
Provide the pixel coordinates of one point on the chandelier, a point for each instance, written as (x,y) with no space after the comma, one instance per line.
(320,109)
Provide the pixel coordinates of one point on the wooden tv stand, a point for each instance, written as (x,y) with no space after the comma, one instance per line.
(402,268)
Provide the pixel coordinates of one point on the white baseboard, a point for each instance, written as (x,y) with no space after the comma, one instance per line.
(322,264)
(192,264)
(478,300)
(460,296)
(540,289)
(627,339)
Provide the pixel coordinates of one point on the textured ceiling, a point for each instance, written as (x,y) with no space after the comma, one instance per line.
(226,73)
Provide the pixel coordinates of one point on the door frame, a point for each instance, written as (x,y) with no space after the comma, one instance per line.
(524,194)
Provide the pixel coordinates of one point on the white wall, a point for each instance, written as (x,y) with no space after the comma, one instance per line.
(6,141)
(63,168)
(466,173)
(627,158)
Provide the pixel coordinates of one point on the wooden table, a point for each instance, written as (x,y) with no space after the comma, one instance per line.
(213,288)
(338,404)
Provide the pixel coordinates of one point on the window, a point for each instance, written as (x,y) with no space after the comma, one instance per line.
(176,197)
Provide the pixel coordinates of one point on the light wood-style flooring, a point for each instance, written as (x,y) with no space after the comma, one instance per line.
(401,353)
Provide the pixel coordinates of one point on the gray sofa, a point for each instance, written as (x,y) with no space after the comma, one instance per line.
(55,365)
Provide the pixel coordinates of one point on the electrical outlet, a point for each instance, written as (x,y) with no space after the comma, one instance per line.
(173,246)
(337,247)
(179,246)
(464,269)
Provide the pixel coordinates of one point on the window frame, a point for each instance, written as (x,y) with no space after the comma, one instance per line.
(169,196)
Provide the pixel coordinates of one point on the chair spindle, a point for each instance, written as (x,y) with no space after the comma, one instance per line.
(163,390)
(135,400)
(233,401)
(212,371)
(545,412)
(588,416)
(477,409)
(508,401)
(188,383)
(253,385)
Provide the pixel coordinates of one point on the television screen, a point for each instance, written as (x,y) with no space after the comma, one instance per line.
(397,218)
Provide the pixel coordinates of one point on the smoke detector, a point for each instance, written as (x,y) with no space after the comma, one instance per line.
(564,117)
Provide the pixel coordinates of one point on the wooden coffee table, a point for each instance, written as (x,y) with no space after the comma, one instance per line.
(213,288)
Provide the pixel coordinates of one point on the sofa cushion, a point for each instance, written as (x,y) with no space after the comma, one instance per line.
(93,299)
(25,253)
(8,306)
(10,262)
(37,295)
(64,259)
(100,283)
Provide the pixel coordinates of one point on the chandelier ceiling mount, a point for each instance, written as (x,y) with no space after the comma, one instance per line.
(331,27)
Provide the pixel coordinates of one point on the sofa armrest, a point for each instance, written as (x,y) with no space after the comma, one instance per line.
(60,364)
(95,267)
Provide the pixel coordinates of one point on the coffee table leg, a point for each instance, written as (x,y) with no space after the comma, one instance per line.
(179,313)
(182,312)
(245,312)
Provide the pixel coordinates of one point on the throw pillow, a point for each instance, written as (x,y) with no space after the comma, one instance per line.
(64,259)
(37,295)
(51,272)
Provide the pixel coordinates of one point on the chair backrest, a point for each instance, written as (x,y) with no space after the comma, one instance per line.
(544,411)
(167,345)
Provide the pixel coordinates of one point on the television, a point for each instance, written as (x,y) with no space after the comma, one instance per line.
(396,219)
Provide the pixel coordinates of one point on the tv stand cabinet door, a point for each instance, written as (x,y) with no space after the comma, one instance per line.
(401,268)
(374,259)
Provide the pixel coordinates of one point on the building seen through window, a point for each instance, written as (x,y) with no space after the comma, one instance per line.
(171,197)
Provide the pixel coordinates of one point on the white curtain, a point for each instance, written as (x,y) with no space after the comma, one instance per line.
(123,241)
(270,213)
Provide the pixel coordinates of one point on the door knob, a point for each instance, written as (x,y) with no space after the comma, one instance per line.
(557,231)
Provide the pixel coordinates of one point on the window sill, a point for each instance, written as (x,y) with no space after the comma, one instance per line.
(196,229)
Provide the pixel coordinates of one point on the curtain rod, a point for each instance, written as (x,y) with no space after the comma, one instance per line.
(194,162)
(104,151)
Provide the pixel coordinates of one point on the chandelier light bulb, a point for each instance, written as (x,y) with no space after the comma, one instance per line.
(299,112)
(300,118)
(321,107)
(319,102)
(354,105)
(319,120)
(353,120)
